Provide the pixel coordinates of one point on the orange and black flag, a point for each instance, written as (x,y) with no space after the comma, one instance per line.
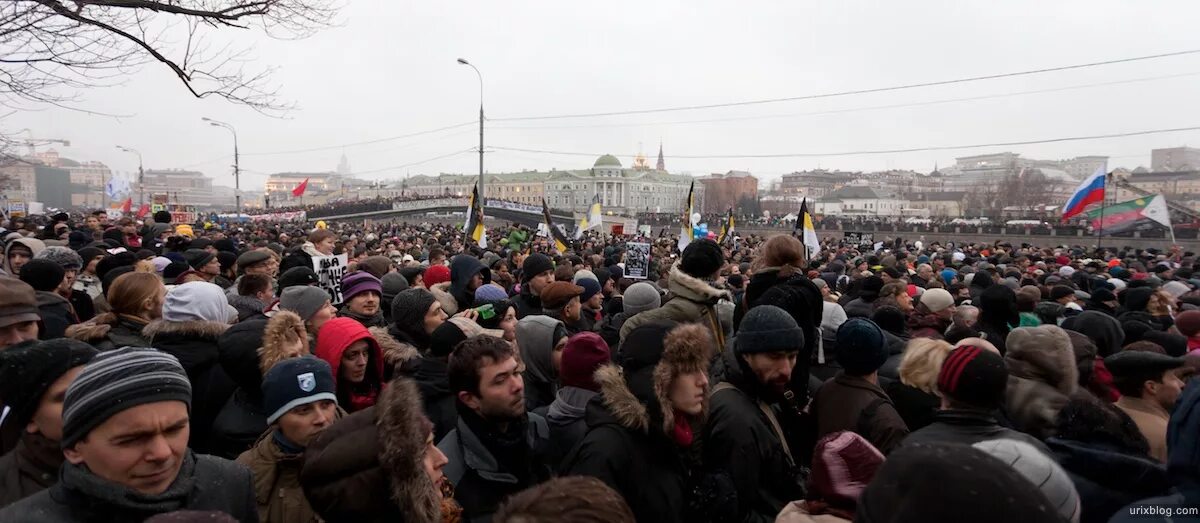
(474,225)
(560,241)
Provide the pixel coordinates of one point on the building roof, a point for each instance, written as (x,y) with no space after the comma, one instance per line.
(607,160)
(856,193)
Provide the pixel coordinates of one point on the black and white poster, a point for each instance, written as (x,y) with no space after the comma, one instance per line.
(637,260)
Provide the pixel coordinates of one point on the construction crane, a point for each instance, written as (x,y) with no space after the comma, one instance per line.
(32,142)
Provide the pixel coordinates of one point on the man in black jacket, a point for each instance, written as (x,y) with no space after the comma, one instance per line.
(467,273)
(744,431)
(496,449)
(536,273)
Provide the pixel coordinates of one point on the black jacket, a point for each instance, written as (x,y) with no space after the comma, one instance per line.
(740,441)
(297,258)
(241,419)
(82,304)
(127,332)
(526,303)
(434,383)
(968,428)
(481,478)
(916,407)
(628,451)
(56,315)
(610,329)
(194,343)
(462,268)
(1107,479)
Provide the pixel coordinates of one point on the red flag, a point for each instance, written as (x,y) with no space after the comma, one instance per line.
(143,211)
(299,190)
(125,207)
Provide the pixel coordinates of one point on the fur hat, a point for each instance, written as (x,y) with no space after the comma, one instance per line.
(937,300)
(701,259)
(1042,354)
(281,326)
(63,256)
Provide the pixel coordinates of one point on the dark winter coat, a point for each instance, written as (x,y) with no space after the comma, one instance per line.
(367,467)
(927,325)
(568,424)
(1107,479)
(241,419)
(610,329)
(82,304)
(480,482)
(802,300)
(1183,462)
(526,303)
(997,315)
(895,346)
(205,483)
(626,450)
(915,406)
(858,308)
(56,315)
(127,332)
(462,268)
(30,468)
(194,343)
(968,427)
(433,380)
(739,440)
(855,404)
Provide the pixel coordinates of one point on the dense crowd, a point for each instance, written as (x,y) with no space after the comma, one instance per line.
(180,372)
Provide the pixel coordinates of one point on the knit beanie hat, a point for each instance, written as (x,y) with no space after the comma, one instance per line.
(409,307)
(42,274)
(303,300)
(18,303)
(294,382)
(585,352)
(701,259)
(227,260)
(937,300)
(843,465)
(196,301)
(87,254)
(118,380)
(63,256)
(197,258)
(602,275)
(359,282)
(1061,291)
(590,288)
(767,328)
(534,265)
(435,275)
(297,276)
(1188,323)
(28,369)
(640,297)
(490,292)
(392,283)
(861,347)
(1042,471)
(975,376)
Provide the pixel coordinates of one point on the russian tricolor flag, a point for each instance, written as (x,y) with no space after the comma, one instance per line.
(1089,192)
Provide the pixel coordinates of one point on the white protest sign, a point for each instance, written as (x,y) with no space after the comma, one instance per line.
(330,270)
(637,260)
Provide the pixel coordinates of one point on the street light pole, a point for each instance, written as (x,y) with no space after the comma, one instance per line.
(141,176)
(237,171)
(463,61)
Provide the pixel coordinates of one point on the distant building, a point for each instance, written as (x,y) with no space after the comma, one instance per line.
(279,186)
(1175,159)
(1081,167)
(1178,185)
(814,184)
(182,187)
(859,201)
(723,191)
(949,204)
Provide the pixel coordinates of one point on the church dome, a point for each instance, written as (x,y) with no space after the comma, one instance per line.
(607,160)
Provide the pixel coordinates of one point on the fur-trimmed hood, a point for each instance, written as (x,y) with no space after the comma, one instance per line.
(401,425)
(396,353)
(279,328)
(210,330)
(1043,354)
(441,292)
(639,396)
(691,288)
(89,331)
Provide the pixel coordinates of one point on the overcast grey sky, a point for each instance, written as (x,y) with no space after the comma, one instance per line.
(389,69)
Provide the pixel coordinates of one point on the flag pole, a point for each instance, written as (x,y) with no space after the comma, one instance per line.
(1103,204)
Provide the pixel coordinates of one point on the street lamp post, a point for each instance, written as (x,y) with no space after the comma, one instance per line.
(237,171)
(463,61)
(141,175)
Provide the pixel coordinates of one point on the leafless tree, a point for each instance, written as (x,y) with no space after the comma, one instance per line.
(51,50)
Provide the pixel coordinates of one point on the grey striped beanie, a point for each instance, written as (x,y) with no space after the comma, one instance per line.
(118,380)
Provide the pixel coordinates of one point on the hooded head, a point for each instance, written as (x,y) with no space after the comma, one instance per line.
(537,338)
(654,356)
(1042,354)
(335,337)
(1104,330)
(463,268)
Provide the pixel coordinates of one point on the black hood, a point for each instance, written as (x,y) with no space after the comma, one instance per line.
(464,267)
(1104,330)
(238,351)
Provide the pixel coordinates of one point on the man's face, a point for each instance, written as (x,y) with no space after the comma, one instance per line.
(539,282)
(925,272)
(905,302)
(365,303)
(946,313)
(259,268)
(92,223)
(773,369)
(608,288)
(501,391)
(18,257)
(1167,392)
(688,392)
(475,282)
(354,362)
(596,301)
(64,287)
(18,332)
(434,317)
(212,268)
(91,264)
(304,422)
(47,419)
(572,309)
(433,462)
(140,448)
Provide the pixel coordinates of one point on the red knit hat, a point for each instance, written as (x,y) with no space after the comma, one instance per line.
(843,465)
(585,352)
(435,275)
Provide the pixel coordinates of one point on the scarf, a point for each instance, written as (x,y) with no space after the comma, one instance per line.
(682,432)
(367,321)
(510,448)
(120,503)
(285,445)
(359,396)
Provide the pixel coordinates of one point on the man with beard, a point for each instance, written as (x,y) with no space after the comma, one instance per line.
(496,449)
(745,436)
(300,401)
